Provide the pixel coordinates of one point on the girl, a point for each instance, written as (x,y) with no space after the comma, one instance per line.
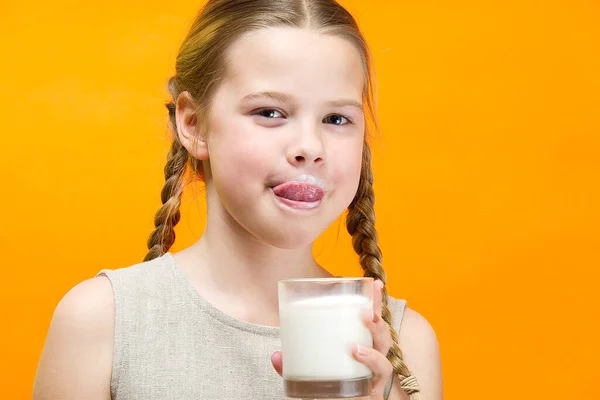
(271,103)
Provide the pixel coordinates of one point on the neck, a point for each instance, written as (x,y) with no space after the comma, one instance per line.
(238,273)
(239,261)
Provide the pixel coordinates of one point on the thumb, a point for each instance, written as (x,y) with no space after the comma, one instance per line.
(277,362)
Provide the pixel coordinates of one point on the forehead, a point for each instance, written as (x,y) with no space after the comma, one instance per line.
(301,62)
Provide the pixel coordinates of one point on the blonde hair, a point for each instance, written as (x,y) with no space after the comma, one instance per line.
(200,66)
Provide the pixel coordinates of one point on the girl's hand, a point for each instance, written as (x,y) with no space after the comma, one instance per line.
(374,358)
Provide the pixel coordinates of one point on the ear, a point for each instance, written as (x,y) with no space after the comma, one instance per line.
(189,129)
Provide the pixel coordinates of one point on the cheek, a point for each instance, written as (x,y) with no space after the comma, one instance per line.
(238,151)
(347,162)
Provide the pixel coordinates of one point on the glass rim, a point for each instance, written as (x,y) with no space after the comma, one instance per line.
(326,280)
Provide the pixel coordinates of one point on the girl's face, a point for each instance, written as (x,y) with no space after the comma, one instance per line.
(290,108)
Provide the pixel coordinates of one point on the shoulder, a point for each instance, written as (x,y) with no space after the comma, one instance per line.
(140,274)
(411,325)
(418,339)
(420,347)
(90,302)
(77,358)
(417,329)
(80,350)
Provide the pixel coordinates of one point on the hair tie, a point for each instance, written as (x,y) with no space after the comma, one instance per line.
(171,107)
(410,385)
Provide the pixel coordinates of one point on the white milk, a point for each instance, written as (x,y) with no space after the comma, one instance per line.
(317,336)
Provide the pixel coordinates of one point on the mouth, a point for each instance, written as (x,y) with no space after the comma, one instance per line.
(299,195)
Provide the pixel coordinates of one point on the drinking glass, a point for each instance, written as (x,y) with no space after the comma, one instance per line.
(321,319)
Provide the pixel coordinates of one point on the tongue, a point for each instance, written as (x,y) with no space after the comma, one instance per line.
(299,191)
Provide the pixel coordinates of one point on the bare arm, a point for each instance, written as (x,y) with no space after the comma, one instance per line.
(76,362)
(422,355)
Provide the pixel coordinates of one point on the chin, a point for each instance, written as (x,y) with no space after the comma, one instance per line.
(294,237)
(286,228)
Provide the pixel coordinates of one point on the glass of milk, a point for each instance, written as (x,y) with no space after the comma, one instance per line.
(320,321)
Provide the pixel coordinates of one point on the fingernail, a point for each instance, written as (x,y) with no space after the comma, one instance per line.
(361,350)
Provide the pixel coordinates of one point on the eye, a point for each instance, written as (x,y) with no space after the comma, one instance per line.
(336,119)
(269,113)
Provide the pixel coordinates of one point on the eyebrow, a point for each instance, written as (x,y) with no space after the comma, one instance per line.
(285,98)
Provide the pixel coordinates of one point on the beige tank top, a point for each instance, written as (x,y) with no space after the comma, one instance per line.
(170,343)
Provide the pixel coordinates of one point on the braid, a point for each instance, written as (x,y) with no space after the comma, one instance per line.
(168,215)
(361,225)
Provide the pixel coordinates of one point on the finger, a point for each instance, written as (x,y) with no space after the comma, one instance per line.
(277,362)
(377,296)
(380,330)
(379,365)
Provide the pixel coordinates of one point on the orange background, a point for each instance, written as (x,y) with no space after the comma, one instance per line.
(487,175)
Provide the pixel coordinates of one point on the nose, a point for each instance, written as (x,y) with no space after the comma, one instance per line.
(308,148)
